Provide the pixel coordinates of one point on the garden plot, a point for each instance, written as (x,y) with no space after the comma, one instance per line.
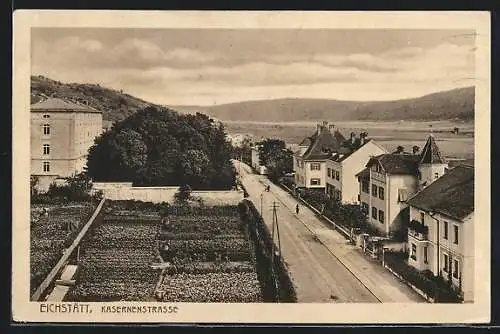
(115,262)
(170,254)
(50,234)
(212,258)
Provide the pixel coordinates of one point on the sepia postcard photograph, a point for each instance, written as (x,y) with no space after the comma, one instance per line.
(251,167)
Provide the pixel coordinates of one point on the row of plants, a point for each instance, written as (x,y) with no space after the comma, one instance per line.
(167,209)
(198,267)
(113,290)
(433,286)
(213,287)
(204,225)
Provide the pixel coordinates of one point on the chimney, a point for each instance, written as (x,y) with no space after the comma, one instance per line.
(318,128)
(362,137)
(353,138)
(331,128)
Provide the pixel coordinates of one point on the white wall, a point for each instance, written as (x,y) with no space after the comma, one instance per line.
(315,174)
(354,164)
(125,191)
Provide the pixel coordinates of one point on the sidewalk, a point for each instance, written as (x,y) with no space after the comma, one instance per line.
(374,277)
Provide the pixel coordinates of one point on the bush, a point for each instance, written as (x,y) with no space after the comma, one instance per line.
(431,285)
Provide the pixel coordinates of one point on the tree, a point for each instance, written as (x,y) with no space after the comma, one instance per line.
(160,147)
(34,180)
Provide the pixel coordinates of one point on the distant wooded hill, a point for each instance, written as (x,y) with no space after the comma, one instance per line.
(457,104)
(448,105)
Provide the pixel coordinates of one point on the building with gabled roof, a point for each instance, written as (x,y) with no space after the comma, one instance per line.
(312,153)
(61,134)
(342,167)
(441,228)
(390,179)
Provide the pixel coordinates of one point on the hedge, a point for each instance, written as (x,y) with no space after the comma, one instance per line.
(432,286)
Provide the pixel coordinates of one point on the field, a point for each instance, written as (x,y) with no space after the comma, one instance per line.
(50,234)
(388,134)
(145,254)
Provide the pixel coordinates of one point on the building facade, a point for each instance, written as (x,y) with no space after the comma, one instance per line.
(61,135)
(312,154)
(256,161)
(441,229)
(342,168)
(390,179)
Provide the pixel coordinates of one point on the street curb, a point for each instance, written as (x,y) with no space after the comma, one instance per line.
(328,249)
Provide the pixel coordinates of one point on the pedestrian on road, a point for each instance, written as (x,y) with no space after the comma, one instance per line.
(297,209)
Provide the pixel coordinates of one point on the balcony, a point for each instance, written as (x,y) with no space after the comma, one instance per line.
(378,176)
(417,230)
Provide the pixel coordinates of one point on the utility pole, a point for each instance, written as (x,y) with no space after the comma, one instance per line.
(261,198)
(275,226)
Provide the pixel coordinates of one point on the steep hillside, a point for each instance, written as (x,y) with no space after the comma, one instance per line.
(115,105)
(453,104)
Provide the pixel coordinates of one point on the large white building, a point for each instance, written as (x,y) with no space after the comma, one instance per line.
(61,134)
(390,179)
(441,229)
(342,167)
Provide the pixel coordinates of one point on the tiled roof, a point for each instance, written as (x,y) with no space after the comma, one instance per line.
(323,144)
(451,195)
(54,104)
(393,163)
(430,153)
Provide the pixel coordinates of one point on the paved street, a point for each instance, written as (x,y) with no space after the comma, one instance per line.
(326,268)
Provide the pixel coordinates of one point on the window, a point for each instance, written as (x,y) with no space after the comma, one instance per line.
(436,175)
(365,208)
(46,149)
(455,234)
(445,263)
(329,172)
(425,255)
(380,192)
(46,166)
(365,186)
(374,212)
(315,166)
(337,175)
(46,116)
(422,217)
(374,190)
(315,182)
(46,129)
(445,227)
(414,252)
(455,268)
(381,216)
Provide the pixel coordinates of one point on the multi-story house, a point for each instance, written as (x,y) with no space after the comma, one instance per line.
(256,161)
(390,179)
(61,134)
(311,156)
(441,229)
(342,167)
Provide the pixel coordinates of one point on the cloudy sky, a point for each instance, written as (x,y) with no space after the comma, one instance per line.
(206,67)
